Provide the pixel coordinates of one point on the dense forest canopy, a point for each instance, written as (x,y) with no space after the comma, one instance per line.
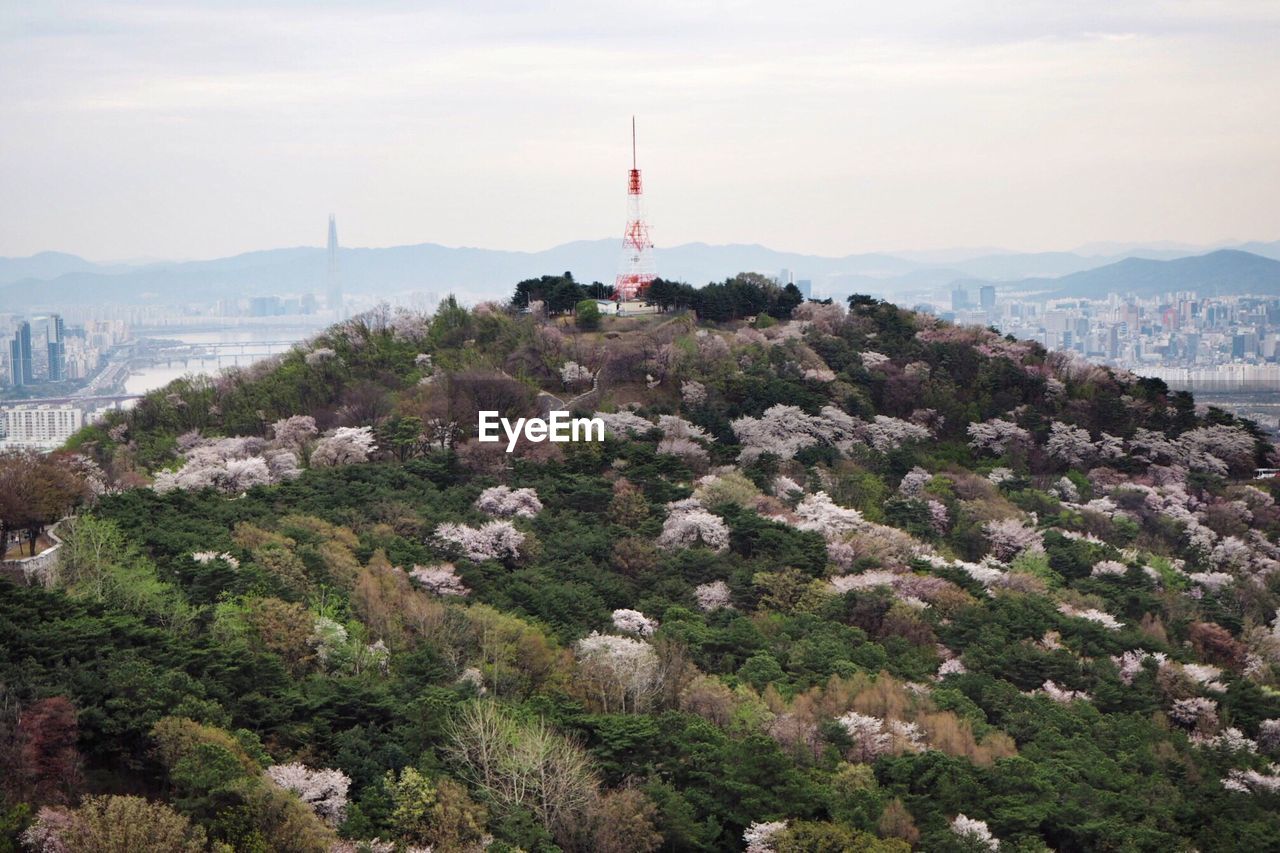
(840,578)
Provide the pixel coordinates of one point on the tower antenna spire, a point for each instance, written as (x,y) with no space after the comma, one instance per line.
(636,271)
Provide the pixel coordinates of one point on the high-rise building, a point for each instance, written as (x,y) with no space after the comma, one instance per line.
(57,349)
(41,426)
(21,366)
(959,299)
(987,297)
(334,279)
(805,286)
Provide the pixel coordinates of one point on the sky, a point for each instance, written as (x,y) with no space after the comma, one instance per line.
(202,129)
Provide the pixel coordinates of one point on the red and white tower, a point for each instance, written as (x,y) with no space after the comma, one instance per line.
(637,269)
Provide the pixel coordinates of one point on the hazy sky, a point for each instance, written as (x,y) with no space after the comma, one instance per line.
(186,129)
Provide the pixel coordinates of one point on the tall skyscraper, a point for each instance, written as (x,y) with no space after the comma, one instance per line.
(987,297)
(57,349)
(21,368)
(334,279)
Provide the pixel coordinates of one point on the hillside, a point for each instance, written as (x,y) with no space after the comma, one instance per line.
(840,579)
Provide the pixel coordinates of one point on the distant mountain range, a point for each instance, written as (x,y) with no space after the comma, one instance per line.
(1221,273)
(53,279)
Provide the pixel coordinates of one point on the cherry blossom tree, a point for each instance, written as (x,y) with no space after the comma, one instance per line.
(320,355)
(1253,781)
(624,424)
(951,667)
(634,622)
(294,432)
(1197,710)
(939,516)
(1216,449)
(817,512)
(1062,695)
(1009,538)
(495,540)
(573,373)
(713,596)
(1069,444)
(505,502)
(868,736)
(784,487)
(975,831)
(622,674)
(693,393)
(885,433)
(782,431)
(759,836)
(914,481)
(1089,614)
(325,791)
(343,446)
(689,523)
(440,579)
(1269,735)
(996,436)
(1109,568)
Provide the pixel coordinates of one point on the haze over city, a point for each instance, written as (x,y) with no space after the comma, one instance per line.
(180,130)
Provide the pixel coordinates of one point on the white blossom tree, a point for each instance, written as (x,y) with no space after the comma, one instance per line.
(914,481)
(759,836)
(573,373)
(621,673)
(1091,614)
(885,433)
(1009,538)
(505,502)
(693,393)
(634,622)
(868,736)
(688,524)
(1069,444)
(996,436)
(294,432)
(343,446)
(975,831)
(817,512)
(495,540)
(441,579)
(325,791)
(713,596)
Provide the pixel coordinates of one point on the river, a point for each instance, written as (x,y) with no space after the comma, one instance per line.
(157,376)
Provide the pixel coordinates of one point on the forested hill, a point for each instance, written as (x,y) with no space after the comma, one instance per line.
(840,579)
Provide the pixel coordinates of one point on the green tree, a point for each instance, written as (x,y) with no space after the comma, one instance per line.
(588,315)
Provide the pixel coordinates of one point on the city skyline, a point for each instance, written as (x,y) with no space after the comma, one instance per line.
(179,131)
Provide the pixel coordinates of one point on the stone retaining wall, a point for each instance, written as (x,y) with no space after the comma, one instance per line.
(30,571)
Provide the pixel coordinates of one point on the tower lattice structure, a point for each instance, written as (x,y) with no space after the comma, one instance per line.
(637,269)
